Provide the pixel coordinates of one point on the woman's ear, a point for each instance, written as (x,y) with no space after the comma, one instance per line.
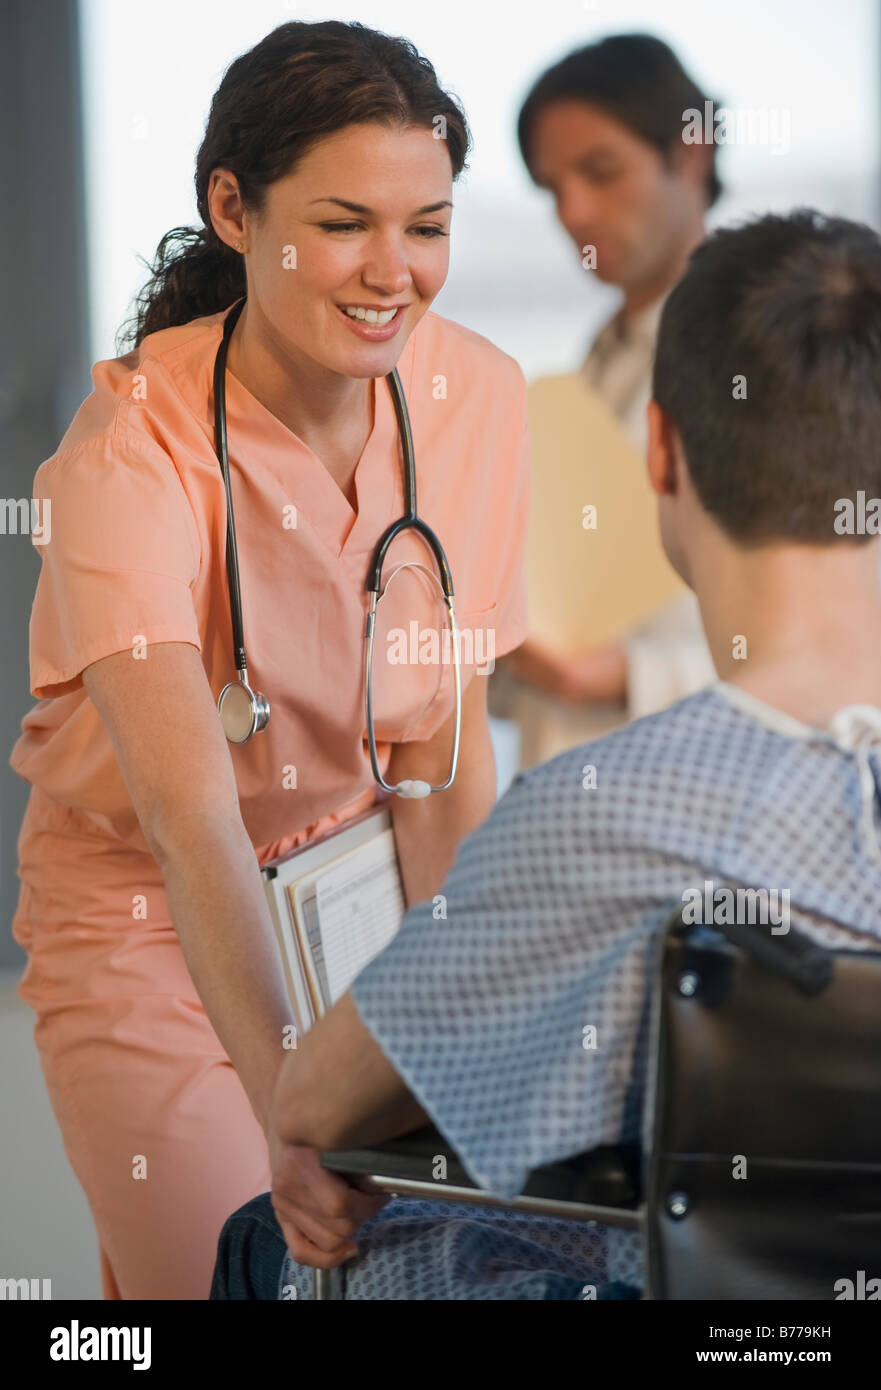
(661,455)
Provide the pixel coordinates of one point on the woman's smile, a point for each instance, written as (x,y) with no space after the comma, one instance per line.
(372,323)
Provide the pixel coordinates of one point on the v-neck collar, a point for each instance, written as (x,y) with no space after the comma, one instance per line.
(300,471)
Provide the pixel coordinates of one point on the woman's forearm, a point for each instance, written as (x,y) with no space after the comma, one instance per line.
(219,910)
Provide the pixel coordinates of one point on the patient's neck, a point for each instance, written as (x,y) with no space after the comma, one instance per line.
(797,626)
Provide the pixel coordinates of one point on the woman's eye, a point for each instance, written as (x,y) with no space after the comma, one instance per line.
(426,231)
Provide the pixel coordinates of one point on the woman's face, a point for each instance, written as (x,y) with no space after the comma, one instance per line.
(363,221)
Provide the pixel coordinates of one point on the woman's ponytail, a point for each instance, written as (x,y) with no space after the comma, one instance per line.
(194,273)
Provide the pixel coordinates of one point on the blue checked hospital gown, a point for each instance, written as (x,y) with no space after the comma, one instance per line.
(552,905)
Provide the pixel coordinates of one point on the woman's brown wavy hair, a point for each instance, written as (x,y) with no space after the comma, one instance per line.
(300,83)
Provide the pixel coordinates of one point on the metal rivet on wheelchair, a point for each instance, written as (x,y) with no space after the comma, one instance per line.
(689,983)
(678,1204)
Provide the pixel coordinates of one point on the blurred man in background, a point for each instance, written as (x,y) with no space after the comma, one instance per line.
(602,131)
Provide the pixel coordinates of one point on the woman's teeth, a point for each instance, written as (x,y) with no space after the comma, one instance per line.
(377,316)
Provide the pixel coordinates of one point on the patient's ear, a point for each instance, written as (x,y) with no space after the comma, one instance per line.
(662,451)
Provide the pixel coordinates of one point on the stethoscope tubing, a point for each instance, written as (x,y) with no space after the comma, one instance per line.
(409,521)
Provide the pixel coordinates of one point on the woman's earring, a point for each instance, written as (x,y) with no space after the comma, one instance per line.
(240,246)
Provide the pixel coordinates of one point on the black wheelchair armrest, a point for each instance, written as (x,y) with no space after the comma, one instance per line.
(608,1176)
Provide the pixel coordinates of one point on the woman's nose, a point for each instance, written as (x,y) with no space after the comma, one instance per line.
(387,267)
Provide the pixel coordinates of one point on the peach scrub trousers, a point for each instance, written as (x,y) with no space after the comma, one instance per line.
(155,1122)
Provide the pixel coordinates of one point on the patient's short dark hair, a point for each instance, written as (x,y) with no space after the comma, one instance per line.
(769,364)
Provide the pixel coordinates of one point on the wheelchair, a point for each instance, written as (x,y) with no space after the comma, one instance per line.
(759,1172)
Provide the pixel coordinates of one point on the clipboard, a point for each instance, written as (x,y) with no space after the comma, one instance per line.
(589,584)
(335,902)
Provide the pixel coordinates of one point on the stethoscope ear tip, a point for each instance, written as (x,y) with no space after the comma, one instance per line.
(413,789)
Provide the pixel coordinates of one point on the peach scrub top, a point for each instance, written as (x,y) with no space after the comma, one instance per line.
(136,555)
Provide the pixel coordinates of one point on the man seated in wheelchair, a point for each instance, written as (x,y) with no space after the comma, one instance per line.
(517,1025)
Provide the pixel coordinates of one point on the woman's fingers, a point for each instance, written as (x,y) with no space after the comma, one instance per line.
(300,1201)
(292,1182)
(299,1213)
(305,1252)
(339,1199)
(328,1241)
(313,1232)
(318,1211)
(299,1176)
(331,1211)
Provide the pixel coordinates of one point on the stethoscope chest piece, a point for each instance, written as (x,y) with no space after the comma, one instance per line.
(243,711)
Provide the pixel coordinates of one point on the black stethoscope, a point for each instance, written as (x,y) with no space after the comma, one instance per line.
(243,711)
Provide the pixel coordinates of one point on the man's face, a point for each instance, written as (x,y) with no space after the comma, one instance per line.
(613,190)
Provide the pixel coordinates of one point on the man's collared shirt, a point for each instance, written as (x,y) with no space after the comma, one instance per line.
(619,366)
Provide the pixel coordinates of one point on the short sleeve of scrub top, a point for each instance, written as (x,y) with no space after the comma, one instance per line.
(120,554)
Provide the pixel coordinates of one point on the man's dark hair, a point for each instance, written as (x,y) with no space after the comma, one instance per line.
(634,77)
(769,364)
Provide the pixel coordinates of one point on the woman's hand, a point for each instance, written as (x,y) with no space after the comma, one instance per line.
(318,1211)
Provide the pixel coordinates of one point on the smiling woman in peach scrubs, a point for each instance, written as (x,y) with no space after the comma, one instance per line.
(152,966)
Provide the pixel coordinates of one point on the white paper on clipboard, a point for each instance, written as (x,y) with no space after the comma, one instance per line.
(360,904)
